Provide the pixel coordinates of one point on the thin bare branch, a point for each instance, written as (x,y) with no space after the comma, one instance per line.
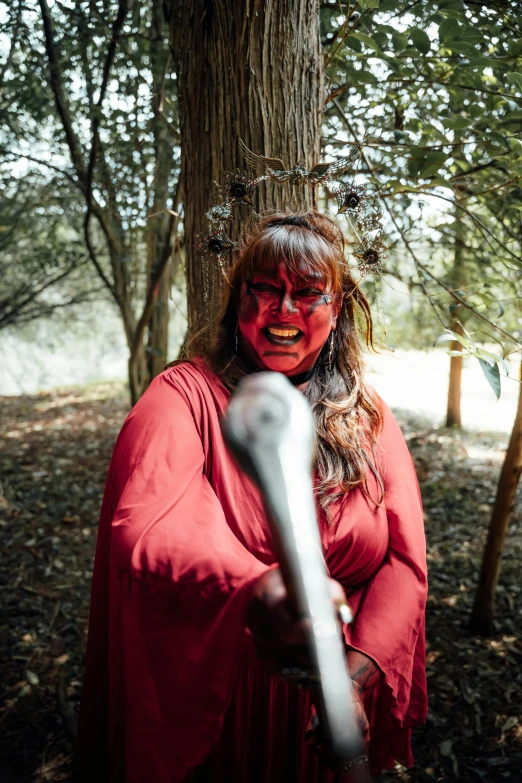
(419,265)
(56,80)
(155,280)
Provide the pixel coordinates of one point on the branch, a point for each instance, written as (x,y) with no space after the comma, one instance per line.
(39,162)
(449,84)
(418,263)
(9,314)
(153,288)
(14,41)
(94,259)
(480,167)
(480,224)
(123,8)
(59,94)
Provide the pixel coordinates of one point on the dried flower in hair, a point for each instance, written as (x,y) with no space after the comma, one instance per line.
(350,198)
(216,244)
(240,188)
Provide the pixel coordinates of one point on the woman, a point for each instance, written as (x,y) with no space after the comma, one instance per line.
(185,583)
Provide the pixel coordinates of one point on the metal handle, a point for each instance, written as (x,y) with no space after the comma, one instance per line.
(270,430)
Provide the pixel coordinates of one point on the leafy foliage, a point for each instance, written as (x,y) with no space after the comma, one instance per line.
(42,255)
(88,95)
(432,93)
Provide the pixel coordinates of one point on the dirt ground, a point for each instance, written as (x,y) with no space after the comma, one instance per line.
(54,453)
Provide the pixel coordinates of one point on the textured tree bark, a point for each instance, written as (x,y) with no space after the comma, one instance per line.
(453,415)
(482,616)
(159,224)
(249,69)
(453,410)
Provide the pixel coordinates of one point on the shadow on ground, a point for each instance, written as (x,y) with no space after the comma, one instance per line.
(54,453)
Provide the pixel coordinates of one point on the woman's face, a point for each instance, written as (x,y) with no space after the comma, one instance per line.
(285,319)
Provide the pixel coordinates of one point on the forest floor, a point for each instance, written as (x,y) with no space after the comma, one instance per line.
(54,452)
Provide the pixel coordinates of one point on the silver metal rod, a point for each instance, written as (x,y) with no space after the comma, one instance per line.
(269,428)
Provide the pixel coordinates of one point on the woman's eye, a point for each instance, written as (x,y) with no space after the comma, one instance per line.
(309,292)
(264,288)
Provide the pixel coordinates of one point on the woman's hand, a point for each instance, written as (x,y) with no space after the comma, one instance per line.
(280,634)
(365,675)
(320,743)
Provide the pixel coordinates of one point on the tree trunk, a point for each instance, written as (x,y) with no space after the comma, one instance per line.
(159,223)
(249,69)
(453,418)
(481,621)
(453,415)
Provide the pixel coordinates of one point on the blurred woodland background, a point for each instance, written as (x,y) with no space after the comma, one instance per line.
(116,118)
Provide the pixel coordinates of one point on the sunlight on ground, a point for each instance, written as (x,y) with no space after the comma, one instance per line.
(418,381)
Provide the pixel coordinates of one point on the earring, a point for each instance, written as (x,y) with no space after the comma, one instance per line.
(331,351)
(236,335)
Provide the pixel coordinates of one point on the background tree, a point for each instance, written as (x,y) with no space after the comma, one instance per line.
(246,69)
(88,93)
(432,94)
(482,616)
(42,255)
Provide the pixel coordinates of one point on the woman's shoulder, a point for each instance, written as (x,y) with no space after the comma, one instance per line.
(194,379)
(388,422)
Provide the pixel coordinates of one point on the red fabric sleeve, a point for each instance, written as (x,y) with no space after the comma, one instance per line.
(178,592)
(389,610)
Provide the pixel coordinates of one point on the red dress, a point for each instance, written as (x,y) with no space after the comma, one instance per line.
(170,673)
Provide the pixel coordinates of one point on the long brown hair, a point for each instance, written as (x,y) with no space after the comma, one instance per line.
(347,413)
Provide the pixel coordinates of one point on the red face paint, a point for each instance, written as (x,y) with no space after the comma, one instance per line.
(272,306)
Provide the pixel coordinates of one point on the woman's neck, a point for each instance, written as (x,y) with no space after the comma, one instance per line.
(300,380)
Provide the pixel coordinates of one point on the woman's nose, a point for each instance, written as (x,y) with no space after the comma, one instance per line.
(287,305)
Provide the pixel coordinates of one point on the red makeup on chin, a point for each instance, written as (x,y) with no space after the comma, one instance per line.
(285,319)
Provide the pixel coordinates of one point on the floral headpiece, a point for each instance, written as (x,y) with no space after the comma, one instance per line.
(353,200)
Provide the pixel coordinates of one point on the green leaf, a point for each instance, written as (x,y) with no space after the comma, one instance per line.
(420,40)
(469,33)
(432,163)
(353,43)
(516,80)
(448,29)
(515,47)
(366,39)
(381,40)
(463,47)
(365,4)
(364,77)
(515,146)
(484,62)
(440,183)
(443,338)
(399,41)
(411,51)
(450,336)
(492,374)
(496,136)
(386,28)
(457,123)
(491,358)
(515,115)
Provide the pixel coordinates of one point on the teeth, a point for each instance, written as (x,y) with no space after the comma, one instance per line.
(283,332)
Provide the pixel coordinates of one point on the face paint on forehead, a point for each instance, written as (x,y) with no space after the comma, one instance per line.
(322,301)
(280,299)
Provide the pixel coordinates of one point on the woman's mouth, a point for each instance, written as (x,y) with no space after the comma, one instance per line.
(282,335)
